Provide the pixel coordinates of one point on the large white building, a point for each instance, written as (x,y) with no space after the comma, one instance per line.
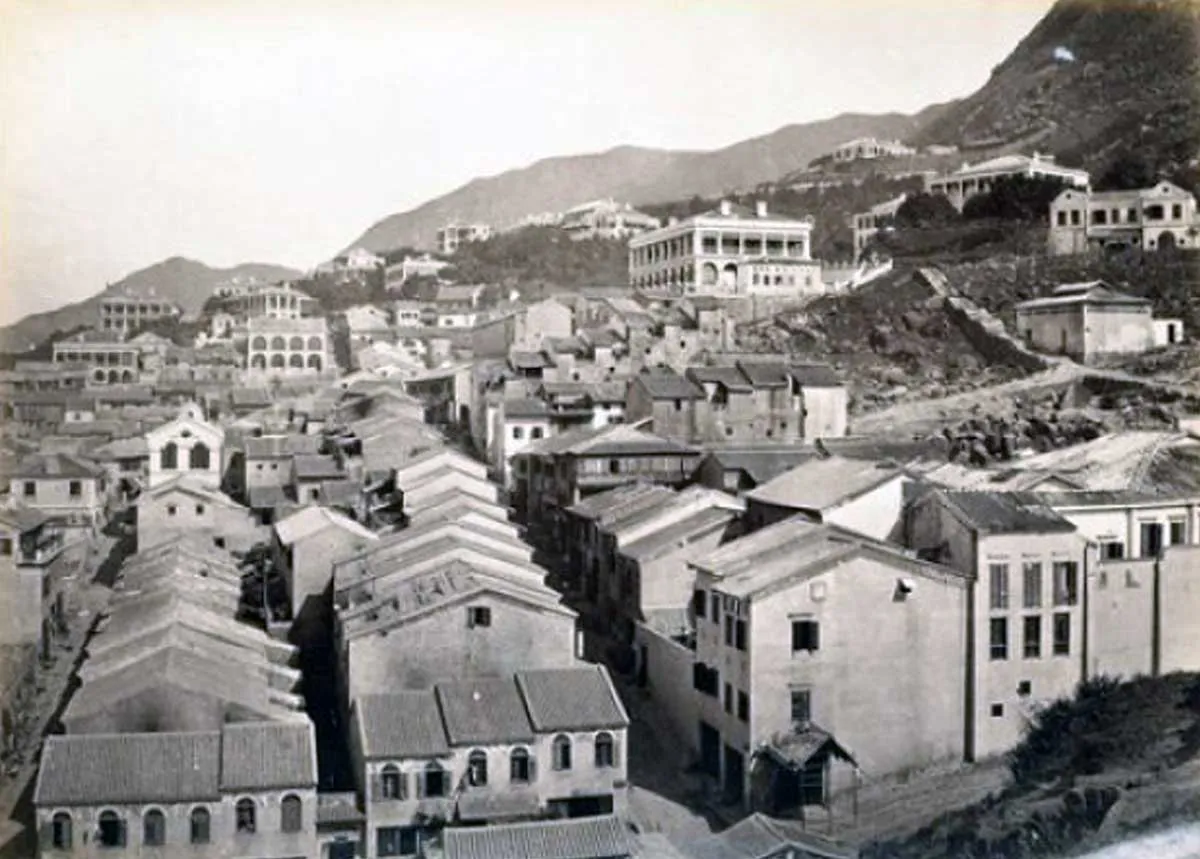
(1149,218)
(730,251)
(971,179)
(863,148)
(866,225)
(452,236)
(607,219)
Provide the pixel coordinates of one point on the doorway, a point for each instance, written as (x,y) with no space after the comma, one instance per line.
(710,750)
(735,775)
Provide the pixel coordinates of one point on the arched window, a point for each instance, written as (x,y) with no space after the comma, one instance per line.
(296,361)
(296,344)
(258,361)
(291,814)
(168,457)
(60,831)
(277,361)
(315,344)
(154,828)
(111,830)
(199,456)
(126,376)
(391,782)
(605,750)
(201,826)
(520,767)
(562,752)
(477,768)
(245,815)
(314,362)
(435,779)
(259,343)
(114,376)
(278,344)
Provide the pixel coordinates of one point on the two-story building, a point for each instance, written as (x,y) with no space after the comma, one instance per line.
(972,179)
(1159,217)
(187,505)
(66,488)
(186,445)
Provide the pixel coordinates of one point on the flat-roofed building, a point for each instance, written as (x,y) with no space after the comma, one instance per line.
(971,179)
(1162,216)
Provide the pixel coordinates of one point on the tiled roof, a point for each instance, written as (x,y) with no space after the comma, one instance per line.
(1087,293)
(764,374)
(133,768)
(668,385)
(571,699)
(602,503)
(763,463)
(586,838)
(268,755)
(249,397)
(484,711)
(266,497)
(311,520)
(526,407)
(403,724)
(758,836)
(62,466)
(316,466)
(1007,513)
(679,534)
(729,377)
(815,375)
(281,446)
(21,518)
(820,484)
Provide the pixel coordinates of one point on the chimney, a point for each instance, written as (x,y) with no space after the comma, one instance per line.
(760,208)
(726,209)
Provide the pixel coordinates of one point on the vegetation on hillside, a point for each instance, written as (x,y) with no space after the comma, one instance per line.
(535,256)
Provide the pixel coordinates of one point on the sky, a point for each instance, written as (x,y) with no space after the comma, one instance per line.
(279,130)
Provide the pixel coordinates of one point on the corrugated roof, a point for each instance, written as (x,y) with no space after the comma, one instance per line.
(821,484)
(484,711)
(571,699)
(268,755)
(403,724)
(586,838)
(619,498)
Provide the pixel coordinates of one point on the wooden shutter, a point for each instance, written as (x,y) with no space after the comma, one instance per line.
(532,768)
(376,791)
(419,780)
(46,835)
(402,780)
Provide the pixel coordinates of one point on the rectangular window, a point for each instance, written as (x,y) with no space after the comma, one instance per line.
(171,510)
(199,509)
(1066,583)
(801,706)
(30,489)
(1062,219)
(806,636)
(729,630)
(700,603)
(6,547)
(1033,636)
(478,615)
(75,489)
(518,433)
(998,578)
(743,704)
(1152,539)
(998,632)
(1062,634)
(1112,550)
(1176,211)
(716,608)
(1177,531)
(396,841)
(739,634)
(728,699)
(1032,574)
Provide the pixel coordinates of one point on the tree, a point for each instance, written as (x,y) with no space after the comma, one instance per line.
(1130,170)
(1015,198)
(925,210)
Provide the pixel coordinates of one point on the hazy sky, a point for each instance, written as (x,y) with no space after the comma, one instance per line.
(278,130)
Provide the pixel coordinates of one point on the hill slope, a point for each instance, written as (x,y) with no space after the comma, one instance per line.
(185,282)
(1133,82)
(635,175)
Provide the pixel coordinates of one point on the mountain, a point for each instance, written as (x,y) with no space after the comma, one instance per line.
(1094,80)
(635,175)
(182,281)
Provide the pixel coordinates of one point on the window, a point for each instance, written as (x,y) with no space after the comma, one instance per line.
(199,509)
(291,814)
(739,634)
(200,824)
(435,779)
(998,579)
(154,828)
(111,830)
(1176,211)
(1178,532)
(199,458)
(520,767)
(391,782)
(60,831)
(705,679)
(1025,688)
(396,841)
(172,509)
(1062,219)
(997,711)
(561,751)
(6,547)
(801,706)
(30,489)
(478,615)
(1152,539)
(1032,585)
(1066,583)
(245,815)
(75,488)
(998,633)
(477,768)
(699,603)
(743,706)
(168,457)
(729,630)
(518,432)
(1032,628)
(1062,634)
(536,432)
(729,699)
(806,636)
(679,405)
(606,755)
(1112,550)
(716,608)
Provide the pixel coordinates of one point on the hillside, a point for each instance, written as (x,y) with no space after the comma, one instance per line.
(635,175)
(185,282)
(1133,83)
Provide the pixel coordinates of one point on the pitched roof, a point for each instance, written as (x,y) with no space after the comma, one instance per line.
(571,699)
(133,768)
(525,407)
(758,836)
(281,446)
(1094,293)
(404,724)
(763,463)
(586,838)
(765,374)
(629,496)
(815,376)
(484,711)
(311,520)
(668,385)
(821,484)
(678,534)
(56,466)
(1006,513)
(316,466)
(730,378)
(261,756)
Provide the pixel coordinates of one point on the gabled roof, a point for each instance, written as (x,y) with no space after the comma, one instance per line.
(402,724)
(313,520)
(281,446)
(815,376)
(22,519)
(668,385)
(56,466)
(730,378)
(1090,293)
(678,534)
(1005,513)
(483,712)
(823,484)
(188,484)
(631,495)
(268,755)
(585,838)
(316,466)
(571,699)
(759,836)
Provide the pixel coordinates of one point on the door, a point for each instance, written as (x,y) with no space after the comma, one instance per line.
(734,780)
(710,750)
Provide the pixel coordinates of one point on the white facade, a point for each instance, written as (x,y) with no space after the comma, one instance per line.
(972,179)
(186,445)
(452,236)
(1146,218)
(868,148)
